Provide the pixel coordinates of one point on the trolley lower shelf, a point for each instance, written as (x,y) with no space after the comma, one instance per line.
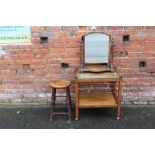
(96,100)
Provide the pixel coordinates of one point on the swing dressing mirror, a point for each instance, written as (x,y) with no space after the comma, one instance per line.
(96,48)
(96,52)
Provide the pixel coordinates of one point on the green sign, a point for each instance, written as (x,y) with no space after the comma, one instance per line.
(15,34)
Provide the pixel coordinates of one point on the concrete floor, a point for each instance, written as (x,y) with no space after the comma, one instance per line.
(37,118)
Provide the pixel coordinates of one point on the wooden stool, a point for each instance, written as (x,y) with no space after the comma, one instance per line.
(60,84)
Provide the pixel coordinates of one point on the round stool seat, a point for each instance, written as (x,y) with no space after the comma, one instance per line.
(60,84)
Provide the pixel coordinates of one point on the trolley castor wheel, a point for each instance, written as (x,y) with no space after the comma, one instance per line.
(117,118)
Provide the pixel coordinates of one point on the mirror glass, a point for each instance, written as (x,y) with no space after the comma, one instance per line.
(96,48)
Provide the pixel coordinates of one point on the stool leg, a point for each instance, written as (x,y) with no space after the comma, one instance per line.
(69,104)
(53,97)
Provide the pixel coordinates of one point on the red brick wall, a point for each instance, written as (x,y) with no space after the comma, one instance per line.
(26,70)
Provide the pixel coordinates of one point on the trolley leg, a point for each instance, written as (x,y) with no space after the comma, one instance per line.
(77,100)
(119,97)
